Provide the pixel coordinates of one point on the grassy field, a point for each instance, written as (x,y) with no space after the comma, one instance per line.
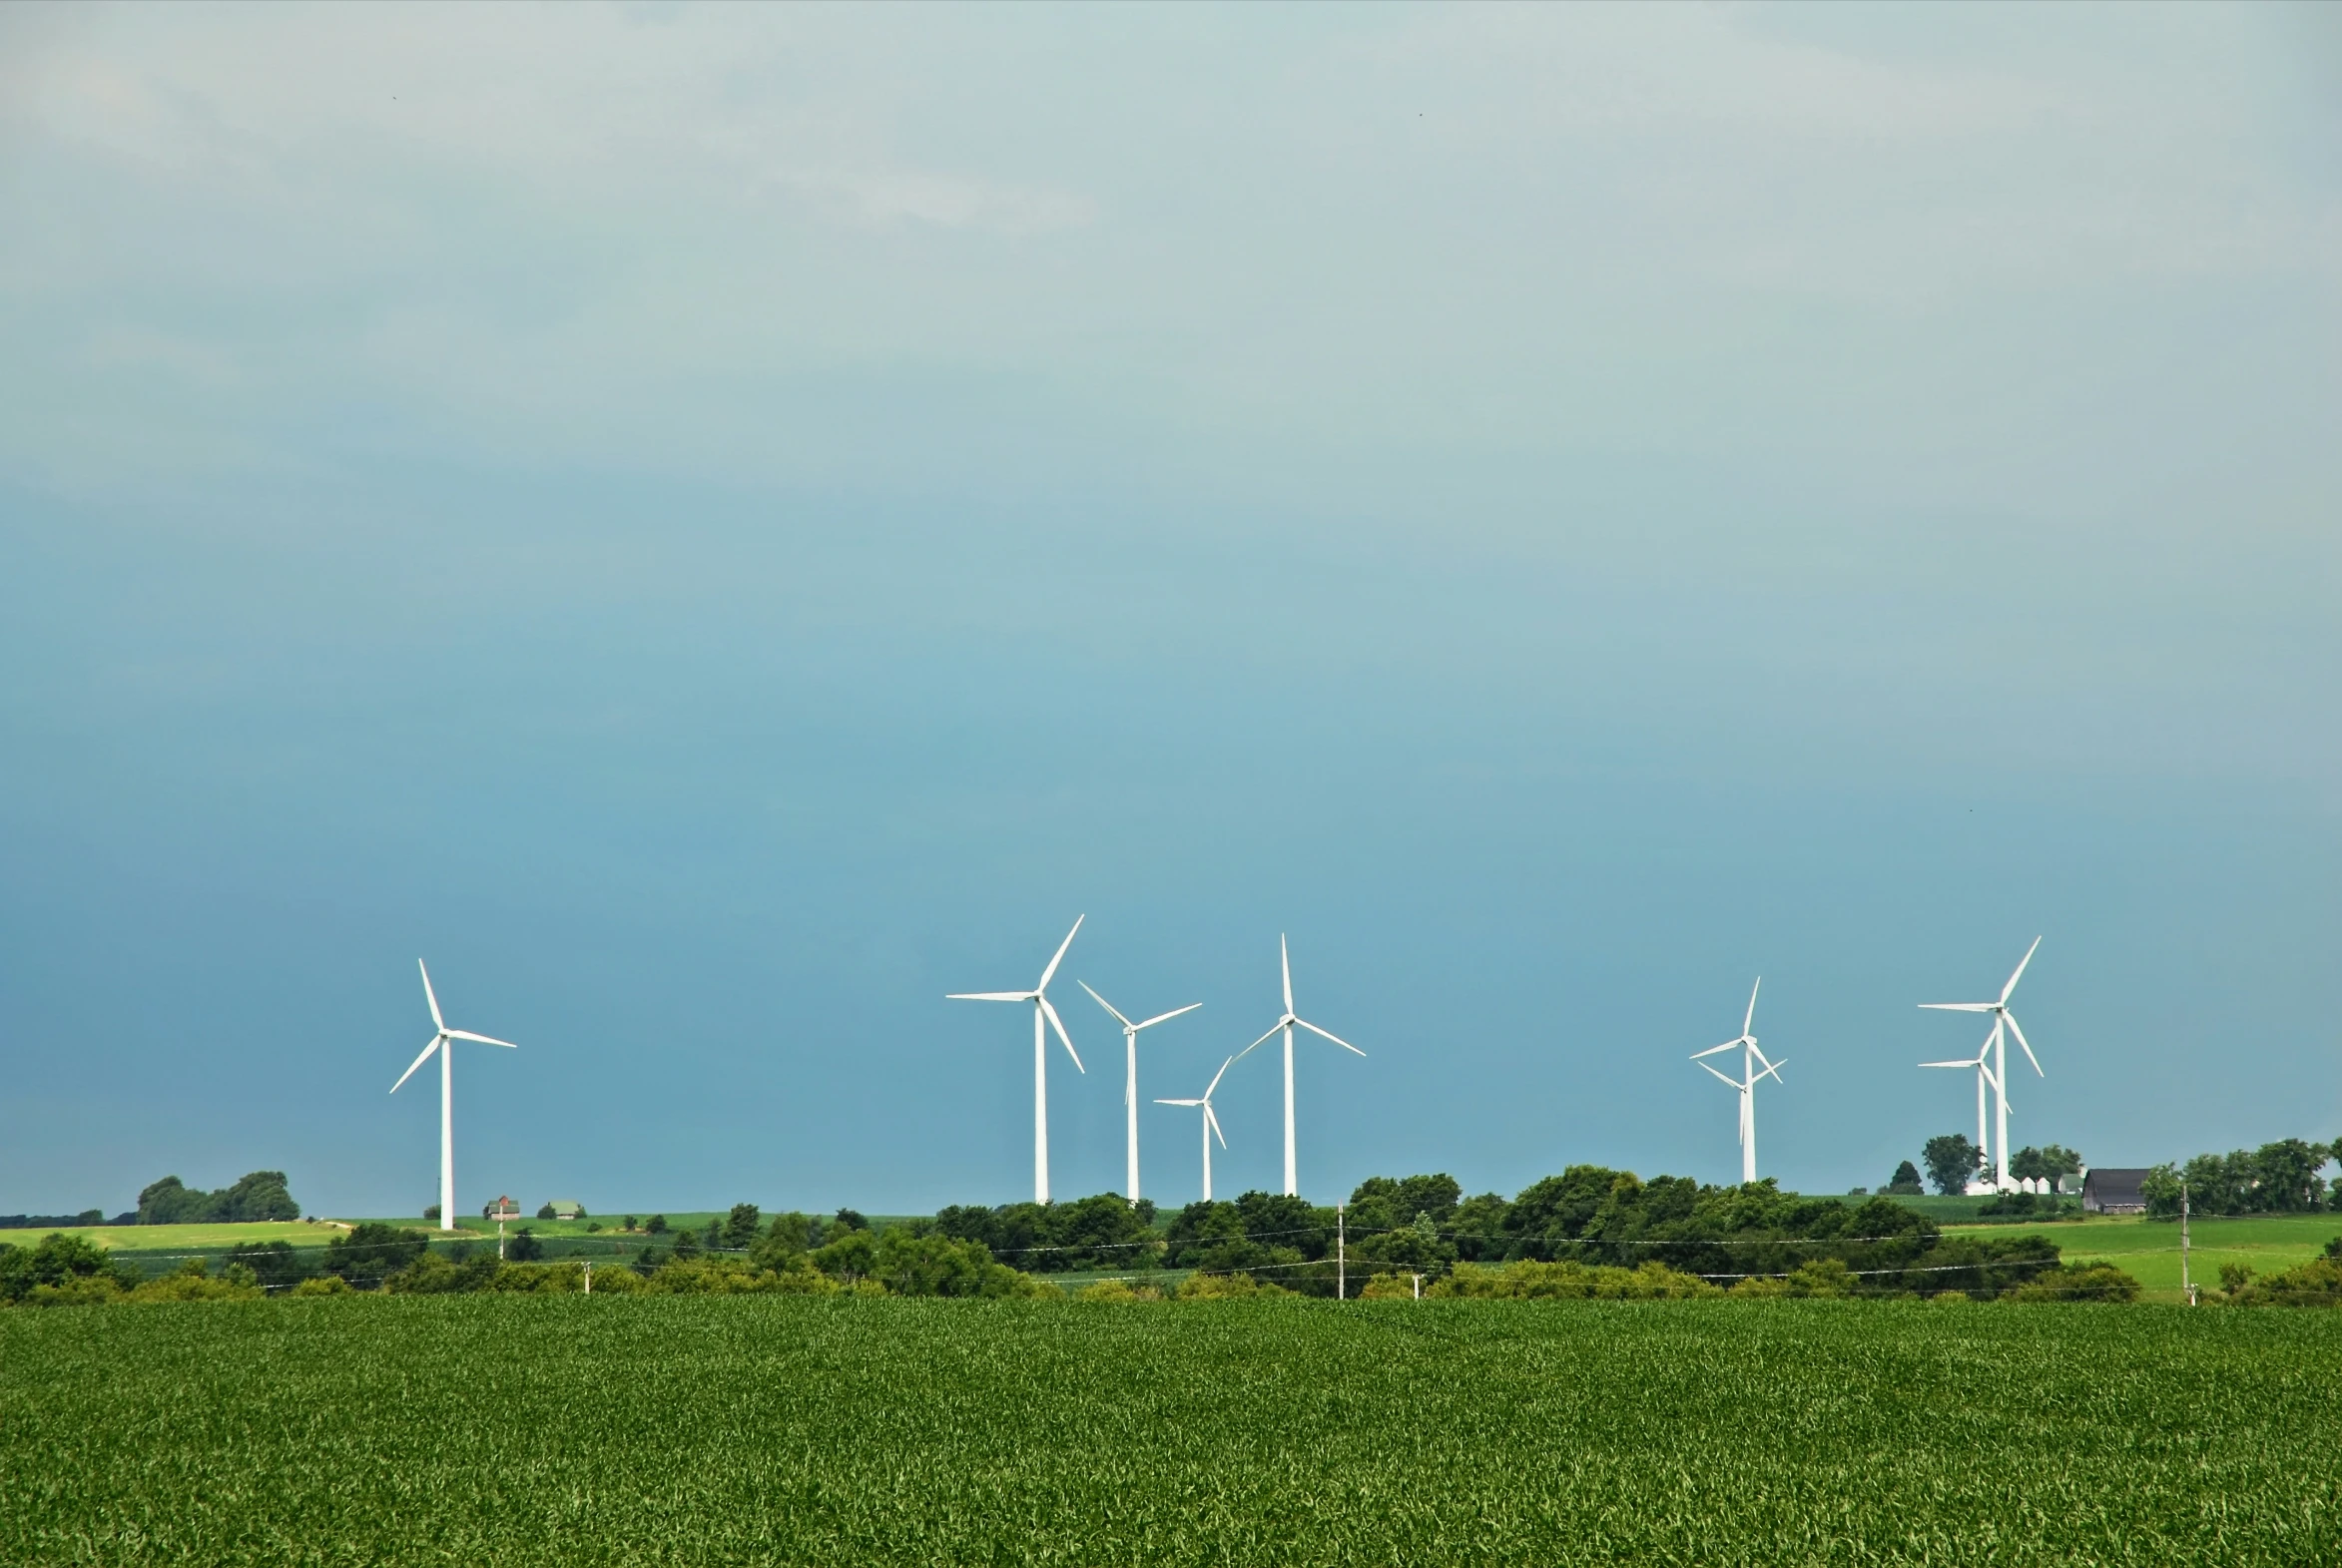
(490,1430)
(2149,1250)
(185,1237)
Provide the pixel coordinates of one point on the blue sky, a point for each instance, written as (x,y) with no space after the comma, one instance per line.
(717,527)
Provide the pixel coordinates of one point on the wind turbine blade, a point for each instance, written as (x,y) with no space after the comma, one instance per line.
(2020,1040)
(430,996)
(2019,974)
(1285,957)
(1222,1073)
(1059,1024)
(1179,1102)
(1212,1122)
(418,1061)
(1059,958)
(1109,1006)
(989,996)
(1748,1022)
(1729,1082)
(1773,1071)
(1162,1017)
(1728,1045)
(1328,1034)
(1271,1035)
(1961,1007)
(1760,1055)
(467,1034)
(1965,1062)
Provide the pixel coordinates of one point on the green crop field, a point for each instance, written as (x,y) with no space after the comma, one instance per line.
(2148,1249)
(490,1430)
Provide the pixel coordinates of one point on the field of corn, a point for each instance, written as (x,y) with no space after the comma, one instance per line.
(491,1430)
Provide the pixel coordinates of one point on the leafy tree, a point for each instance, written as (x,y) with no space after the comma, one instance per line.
(2161,1188)
(274,1265)
(369,1253)
(2285,1177)
(1408,1249)
(1478,1227)
(545,1211)
(1210,1235)
(687,1243)
(849,1220)
(629,1225)
(2045,1164)
(1952,1161)
(524,1247)
(1905,1182)
(432,1213)
(259,1195)
(657,1225)
(937,1265)
(433,1274)
(852,1256)
(786,1239)
(740,1227)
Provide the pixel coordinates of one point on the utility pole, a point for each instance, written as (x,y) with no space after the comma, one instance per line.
(589,1278)
(1418,1286)
(1341,1256)
(2184,1285)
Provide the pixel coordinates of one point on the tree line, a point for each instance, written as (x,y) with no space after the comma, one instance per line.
(2276,1178)
(258,1194)
(1592,1217)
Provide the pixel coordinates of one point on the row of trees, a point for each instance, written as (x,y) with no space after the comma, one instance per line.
(1589,1215)
(2277,1177)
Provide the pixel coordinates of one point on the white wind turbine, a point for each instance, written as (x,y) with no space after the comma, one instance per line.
(1211,1122)
(1746,1082)
(1040,997)
(1130,1089)
(1983,1063)
(1287,1023)
(2003,1023)
(443,1042)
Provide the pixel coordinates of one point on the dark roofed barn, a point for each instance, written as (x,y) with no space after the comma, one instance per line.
(2114,1192)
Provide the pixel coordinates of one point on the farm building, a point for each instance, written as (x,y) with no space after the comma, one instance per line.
(567,1209)
(2110,1191)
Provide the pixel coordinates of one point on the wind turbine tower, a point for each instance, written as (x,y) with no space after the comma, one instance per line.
(2003,1024)
(1211,1122)
(1288,1023)
(1750,1058)
(1983,1063)
(443,1042)
(1040,997)
(1130,1088)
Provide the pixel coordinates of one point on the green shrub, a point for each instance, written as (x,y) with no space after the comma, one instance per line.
(61,1270)
(2077,1282)
(1528,1280)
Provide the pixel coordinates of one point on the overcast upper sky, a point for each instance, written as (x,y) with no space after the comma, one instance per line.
(715,527)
